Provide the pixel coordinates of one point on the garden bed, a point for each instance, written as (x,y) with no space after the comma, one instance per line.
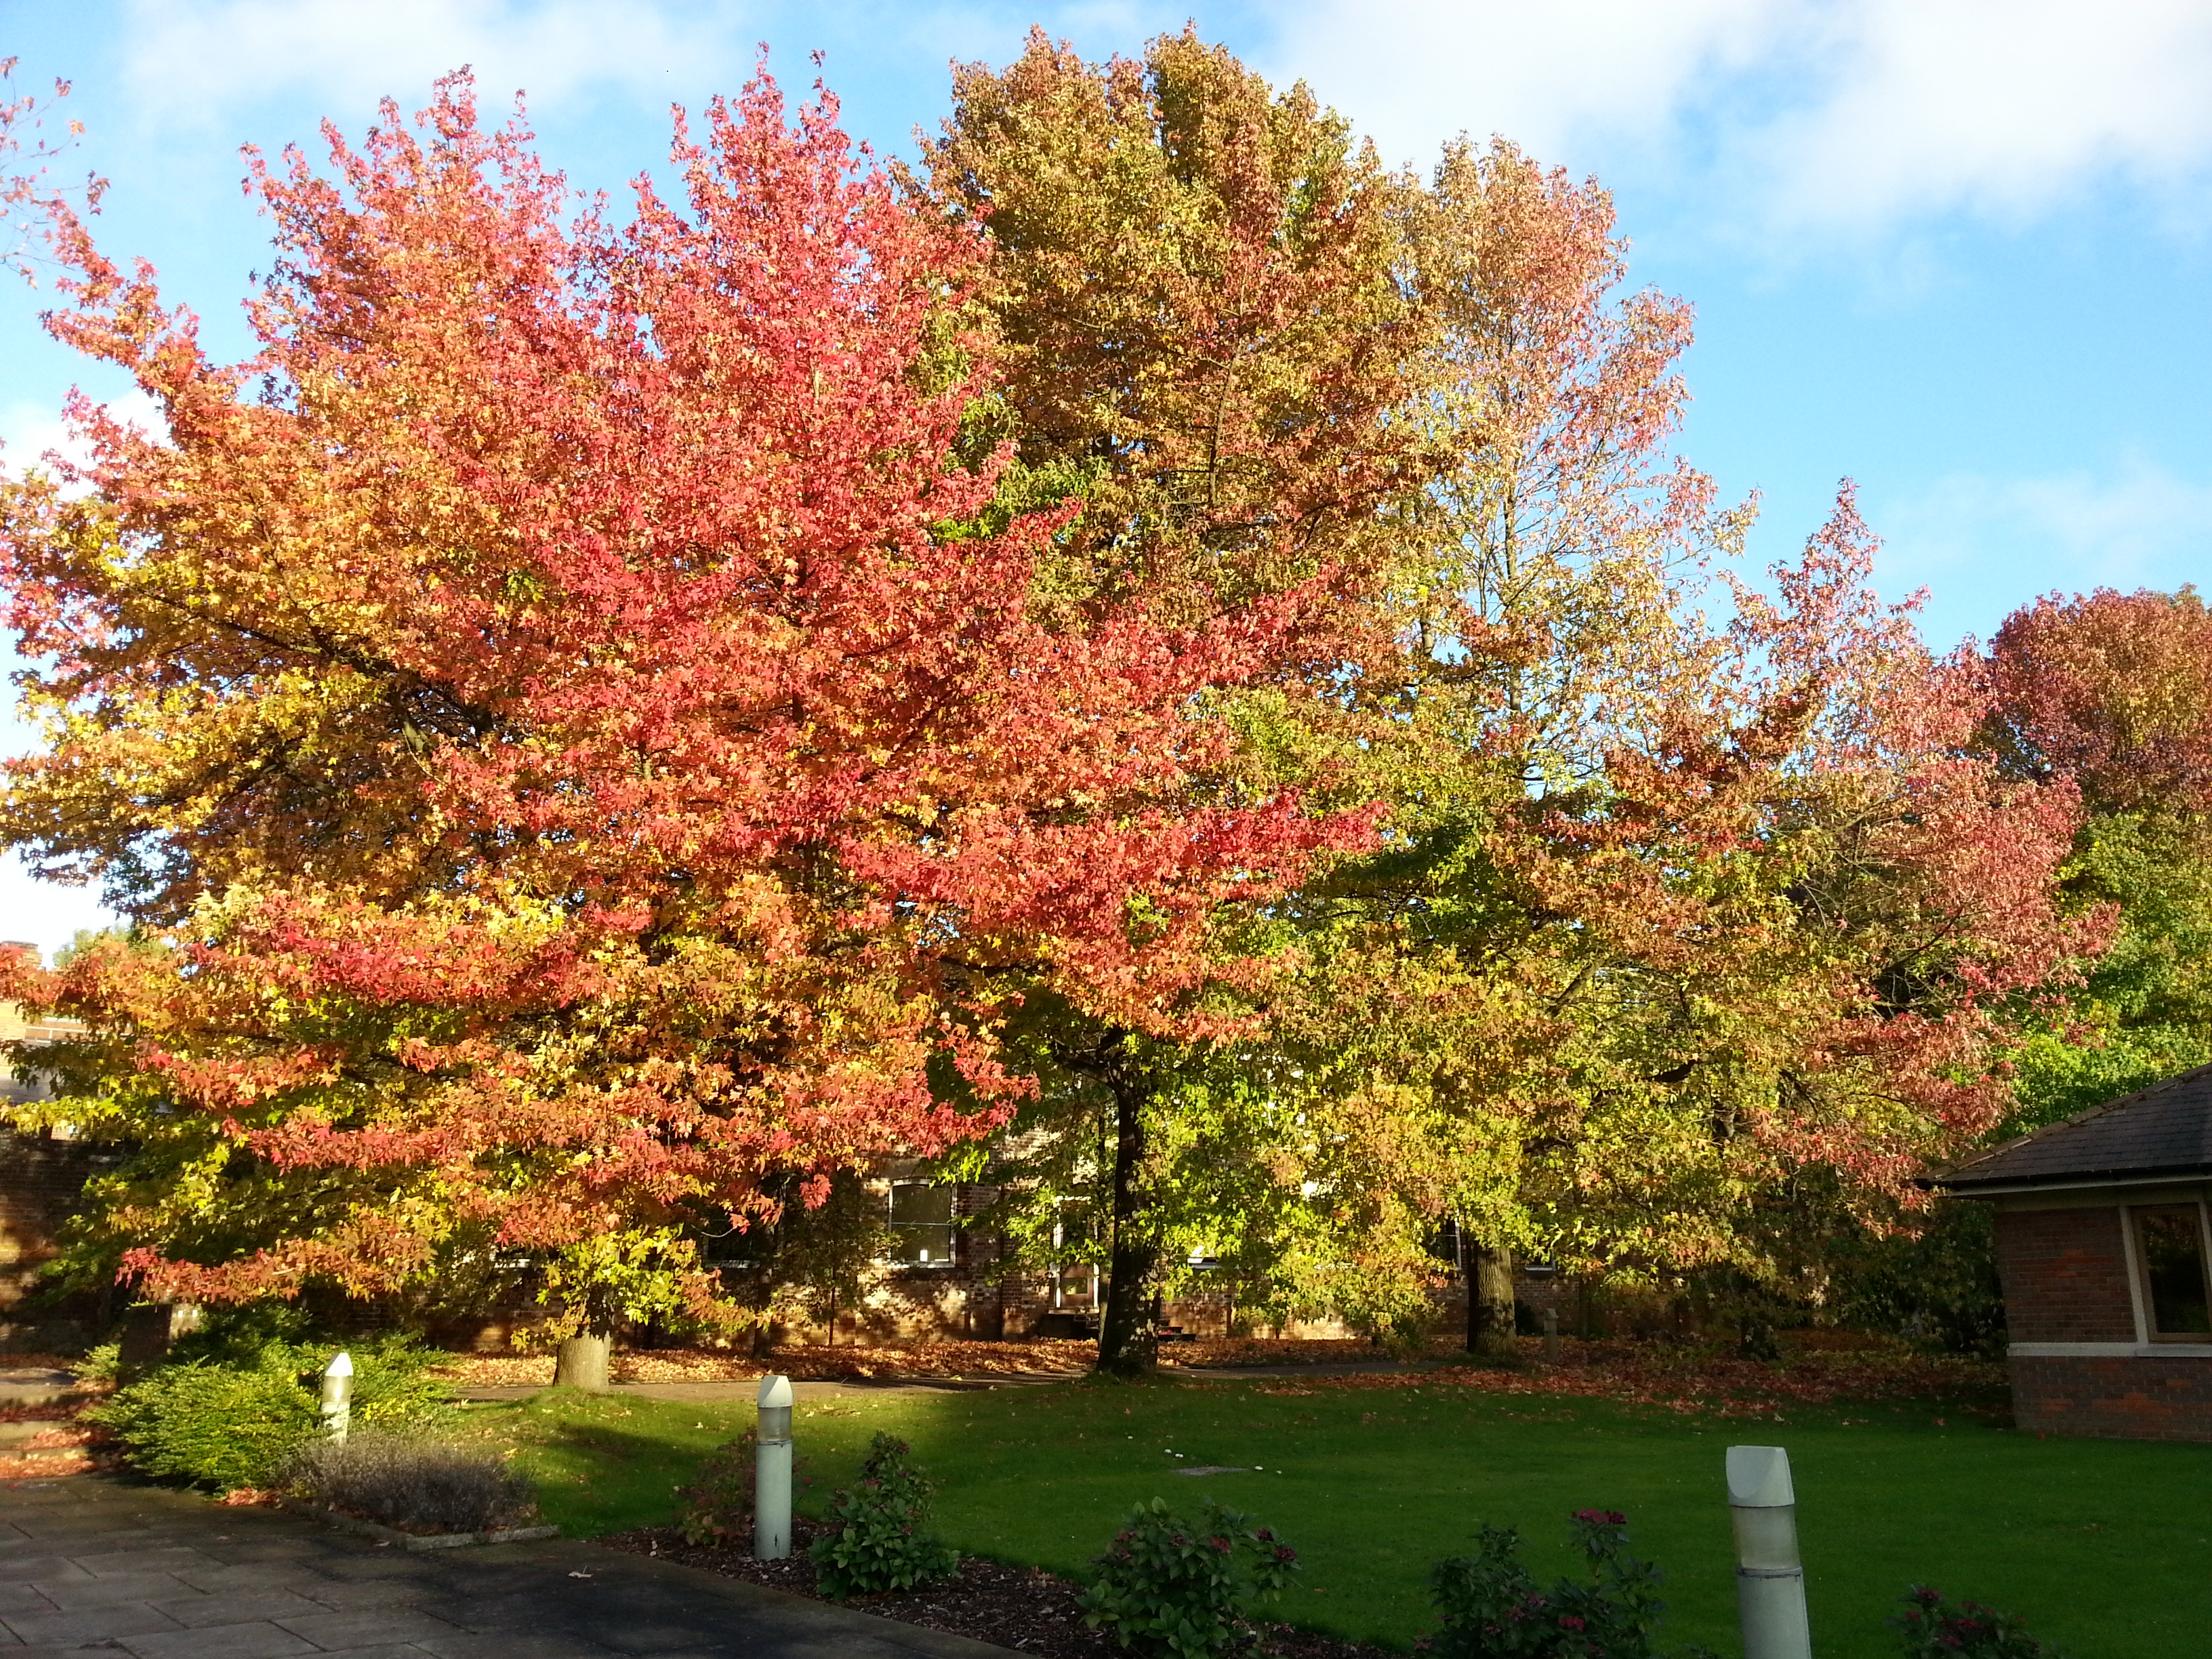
(1024,1607)
(360,1526)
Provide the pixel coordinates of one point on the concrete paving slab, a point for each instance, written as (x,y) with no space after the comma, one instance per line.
(92,1565)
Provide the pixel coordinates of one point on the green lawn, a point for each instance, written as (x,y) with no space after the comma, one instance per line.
(2102,1546)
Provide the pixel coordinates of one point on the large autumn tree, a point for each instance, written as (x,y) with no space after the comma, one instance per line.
(1197,286)
(585,723)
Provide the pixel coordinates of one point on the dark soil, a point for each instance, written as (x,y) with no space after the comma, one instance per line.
(1022,1608)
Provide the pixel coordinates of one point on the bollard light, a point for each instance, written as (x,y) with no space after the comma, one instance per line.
(772,1472)
(337,1397)
(1769,1579)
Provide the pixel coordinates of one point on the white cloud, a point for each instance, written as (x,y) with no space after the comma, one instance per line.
(2137,525)
(189,59)
(1790,114)
(1414,72)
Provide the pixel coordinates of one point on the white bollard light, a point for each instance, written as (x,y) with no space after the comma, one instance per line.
(337,1397)
(1769,1579)
(772,1472)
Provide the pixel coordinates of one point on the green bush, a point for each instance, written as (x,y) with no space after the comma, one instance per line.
(238,1398)
(210,1424)
(1934,1629)
(1492,1607)
(717,1508)
(875,1541)
(1176,1587)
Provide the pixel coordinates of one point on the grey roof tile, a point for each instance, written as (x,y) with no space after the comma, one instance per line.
(2166,1129)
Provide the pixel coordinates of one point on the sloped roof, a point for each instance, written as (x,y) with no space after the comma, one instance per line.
(2163,1130)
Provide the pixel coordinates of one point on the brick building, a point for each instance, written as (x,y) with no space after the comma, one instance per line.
(2102,1244)
(42,1177)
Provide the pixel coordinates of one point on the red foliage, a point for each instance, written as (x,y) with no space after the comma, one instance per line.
(2112,692)
(589,656)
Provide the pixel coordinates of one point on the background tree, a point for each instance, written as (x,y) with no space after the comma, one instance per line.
(2111,694)
(1670,916)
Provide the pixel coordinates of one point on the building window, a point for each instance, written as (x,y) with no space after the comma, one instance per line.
(921,1224)
(1075,1277)
(2171,1239)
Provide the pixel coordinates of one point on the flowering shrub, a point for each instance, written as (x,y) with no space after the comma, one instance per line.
(874,1541)
(1172,1588)
(1492,1608)
(1934,1629)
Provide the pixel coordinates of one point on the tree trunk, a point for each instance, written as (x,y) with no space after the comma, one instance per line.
(582,1362)
(1489,1300)
(1129,1334)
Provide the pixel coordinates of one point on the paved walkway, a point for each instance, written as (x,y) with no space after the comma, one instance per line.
(91,1568)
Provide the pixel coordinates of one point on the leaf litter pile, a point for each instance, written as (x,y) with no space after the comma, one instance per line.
(1686,1377)
(1025,1609)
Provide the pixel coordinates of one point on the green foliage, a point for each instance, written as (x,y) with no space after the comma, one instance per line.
(210,1425)
(815,1258)
(874,1539)
(1934,1629)
(1492,1607)
(2145,1011)
(717,1507)
(1936,1286)
(239,1397)
(1174,1588)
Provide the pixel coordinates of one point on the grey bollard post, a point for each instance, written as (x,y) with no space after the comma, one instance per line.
(1769,1579)
(337,1397)
(772,1472)
(1550,1336)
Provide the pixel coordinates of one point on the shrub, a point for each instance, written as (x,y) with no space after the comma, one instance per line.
(1492,1608)
(1174,1587)
(238,1396)
(210,1424)
(717,1508)
(411,1482)
(1934,1629)
(875,1541)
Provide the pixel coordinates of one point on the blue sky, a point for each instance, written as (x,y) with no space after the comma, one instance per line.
(1957,251)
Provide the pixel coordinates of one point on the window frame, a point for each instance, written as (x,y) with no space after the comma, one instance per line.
(2146,1301)
(902,1230)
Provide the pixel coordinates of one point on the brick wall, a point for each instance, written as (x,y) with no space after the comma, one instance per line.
(2152,1398)
(40,1181)
(2065,1275)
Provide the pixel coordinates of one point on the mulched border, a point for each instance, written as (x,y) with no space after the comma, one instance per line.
(1025,1609)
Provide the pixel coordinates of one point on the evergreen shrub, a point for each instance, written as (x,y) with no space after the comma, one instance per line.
(240,1396)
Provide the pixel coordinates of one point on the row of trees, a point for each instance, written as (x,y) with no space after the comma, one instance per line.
(1144,631)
